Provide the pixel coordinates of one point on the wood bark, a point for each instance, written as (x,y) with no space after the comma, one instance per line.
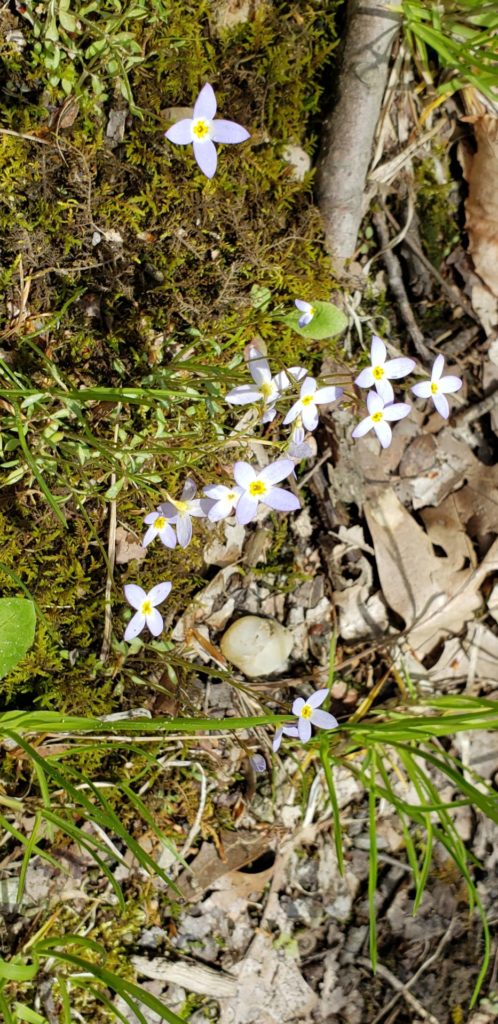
(349,129)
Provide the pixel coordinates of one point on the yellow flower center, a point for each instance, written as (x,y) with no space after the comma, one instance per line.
(266,390)
(306,711)
(160,523)
(434,388)
(257,488)
(232,496)
(376,417)
(182,506)
(200,129)
(307,400)
(146,607)
(378,372)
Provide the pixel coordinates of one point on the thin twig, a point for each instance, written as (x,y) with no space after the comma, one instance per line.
(24,135)
(451,292)
(402,989)
(111,556)
(423,967)
(393,268)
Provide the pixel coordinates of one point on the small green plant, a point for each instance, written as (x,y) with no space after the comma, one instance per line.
(461,34)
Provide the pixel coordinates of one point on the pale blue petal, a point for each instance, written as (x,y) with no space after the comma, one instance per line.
(135,626)
(365,379)
(180,133)
(229,132)
(396,368)
(317,698)
(362,427)
(422,390)
(149,535)
(309,416)
(154,622)
(298,706)
(438,367)
(244,474)
(384,389)
(243,395)
(449,384)
(134,594)
(205,104)
(167,536)
(159,593)
(442,406)
(281,500)
(246,509)
(323,720)
(378,351)
(374,402)
(304,729)
(397,411)
(184,530)
(276,471)
(205,154)
(384,433)
(305,319)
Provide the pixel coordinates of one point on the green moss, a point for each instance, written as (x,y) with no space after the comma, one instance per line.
(437,208)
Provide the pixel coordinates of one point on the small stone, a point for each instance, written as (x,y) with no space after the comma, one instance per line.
(299,161)
(257,646)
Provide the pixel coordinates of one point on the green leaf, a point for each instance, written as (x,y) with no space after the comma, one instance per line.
(68,21)
(23,1012)
(327,322)
(11,971)
(17,631)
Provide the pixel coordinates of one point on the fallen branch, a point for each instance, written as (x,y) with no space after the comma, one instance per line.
(397,286)
(349,130)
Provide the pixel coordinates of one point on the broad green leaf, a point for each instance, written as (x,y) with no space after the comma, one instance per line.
(17,631)
(11,971)
(327,322)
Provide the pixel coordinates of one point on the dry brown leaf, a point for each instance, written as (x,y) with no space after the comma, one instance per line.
(127,547)
(239,849)
(481,206)
(433,597)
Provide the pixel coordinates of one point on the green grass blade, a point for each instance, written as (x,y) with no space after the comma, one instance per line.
(336,814)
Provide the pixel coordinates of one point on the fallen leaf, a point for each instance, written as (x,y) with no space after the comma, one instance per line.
(127,547)
(481,206)
(433,597)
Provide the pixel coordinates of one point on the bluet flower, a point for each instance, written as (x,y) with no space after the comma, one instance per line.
(285,730)
(308,311)
(146,611)
(203,131)
(307,715)
(381,372)
(379,415)
(298,448)
(437,387)
(224,501)
(159,527)
(181,512)
(259,486)
(310,397)
(265,388)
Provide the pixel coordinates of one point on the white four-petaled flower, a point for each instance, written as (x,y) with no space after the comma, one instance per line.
(379,414)
(380,372)
(224,500)
(180,512)
(266,388)
(159,527)
(260,486)
(306,405)
(203,131)
(437,387)
(307,714)
(307,310)
(146,613)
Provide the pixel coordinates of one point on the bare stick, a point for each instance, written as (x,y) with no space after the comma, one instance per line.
(349,130)
(403,991)
(393,268)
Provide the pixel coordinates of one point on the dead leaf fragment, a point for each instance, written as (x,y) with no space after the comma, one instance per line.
(434,598)
(127,547)
(481,206)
